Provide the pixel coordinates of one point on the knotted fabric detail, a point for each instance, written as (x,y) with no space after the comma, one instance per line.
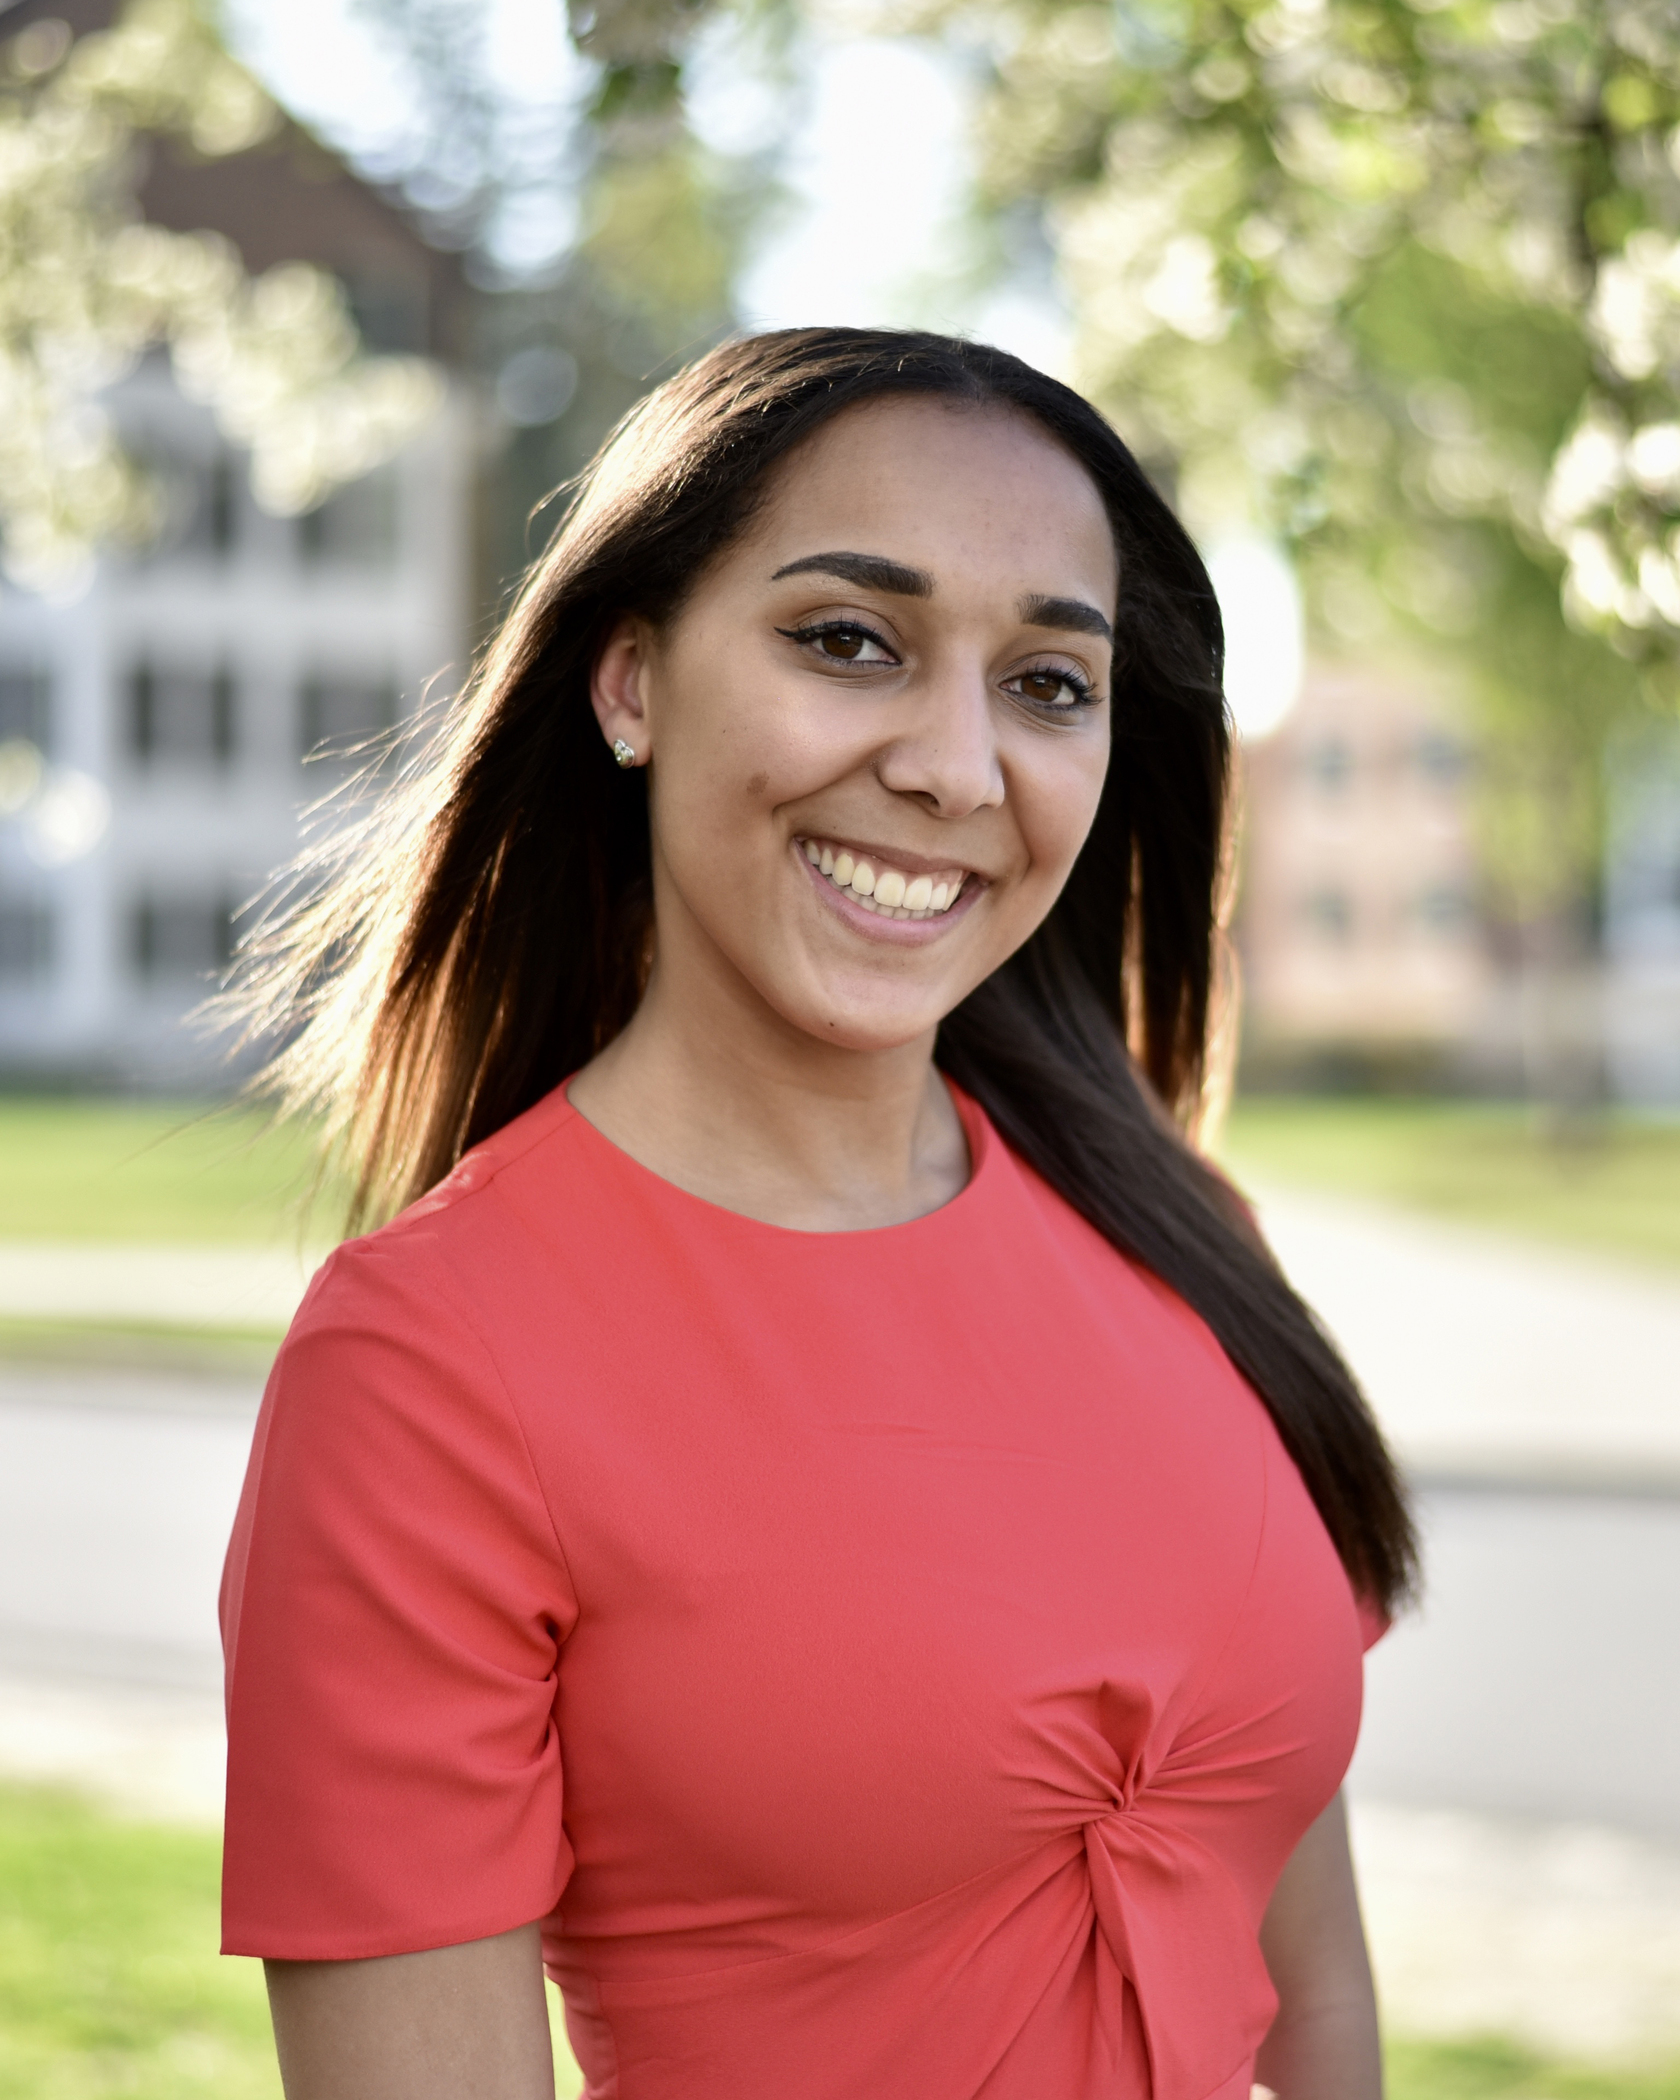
(1172,1924)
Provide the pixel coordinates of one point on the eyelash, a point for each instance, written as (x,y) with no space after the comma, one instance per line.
(1080,688)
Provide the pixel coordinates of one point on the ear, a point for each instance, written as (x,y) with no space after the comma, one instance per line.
(618,687)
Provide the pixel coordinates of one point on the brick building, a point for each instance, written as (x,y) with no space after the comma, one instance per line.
(1358,926)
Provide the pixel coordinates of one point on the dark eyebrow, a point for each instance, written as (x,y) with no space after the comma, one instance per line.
(870,572)
(1072,614)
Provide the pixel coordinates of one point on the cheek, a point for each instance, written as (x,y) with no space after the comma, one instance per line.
(742,740)
(1057,801)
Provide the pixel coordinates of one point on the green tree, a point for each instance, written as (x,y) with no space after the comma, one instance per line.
(86,286)
(660,222)
(1400,281)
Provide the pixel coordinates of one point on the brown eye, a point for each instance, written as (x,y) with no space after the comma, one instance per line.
(1044,687)
(841,642)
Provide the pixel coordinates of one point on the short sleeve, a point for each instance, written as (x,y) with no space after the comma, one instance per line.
(392,1610)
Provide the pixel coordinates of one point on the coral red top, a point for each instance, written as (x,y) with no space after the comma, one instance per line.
(891,1663)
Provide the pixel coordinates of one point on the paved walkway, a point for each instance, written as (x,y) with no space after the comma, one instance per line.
(1490,1358)
(152,1285)
(1565,1936)
(117,1493)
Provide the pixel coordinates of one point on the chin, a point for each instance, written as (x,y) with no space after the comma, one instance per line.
(850,1026)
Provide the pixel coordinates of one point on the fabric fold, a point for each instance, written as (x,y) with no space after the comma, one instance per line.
(1173,1927)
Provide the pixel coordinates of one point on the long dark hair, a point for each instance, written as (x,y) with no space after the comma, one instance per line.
(483,934)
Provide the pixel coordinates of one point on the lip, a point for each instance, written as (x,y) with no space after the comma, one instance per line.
(895,933)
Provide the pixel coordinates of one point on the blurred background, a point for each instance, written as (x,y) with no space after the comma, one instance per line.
(305,312)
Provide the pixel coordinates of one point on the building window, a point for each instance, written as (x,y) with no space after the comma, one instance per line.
(390,309)
(181,939)
(1328,762)
(338,716)
(25,705)
(26,942)
(200,495)
(219,504)
(178,716)
(356,528)
(1440,759)
(1329,913)
(209,507)
(1443,908)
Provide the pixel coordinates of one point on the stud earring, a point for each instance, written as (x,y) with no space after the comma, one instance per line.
(623,752)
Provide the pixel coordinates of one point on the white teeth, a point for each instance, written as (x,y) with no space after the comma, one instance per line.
(890,894)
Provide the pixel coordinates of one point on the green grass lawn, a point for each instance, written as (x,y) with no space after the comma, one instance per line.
(110,1984)
(89,1169)
(109,1980)
(1495,2070)
(94,1169)
(111,1988)
(1484,1164)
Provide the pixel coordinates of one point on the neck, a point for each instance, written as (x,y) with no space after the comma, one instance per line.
(713,1091)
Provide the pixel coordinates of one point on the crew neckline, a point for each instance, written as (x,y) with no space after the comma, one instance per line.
(977,1129)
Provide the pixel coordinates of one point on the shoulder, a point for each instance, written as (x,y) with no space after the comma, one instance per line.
(389,1423)
(475,1318)
(542,1151)
(506,1202)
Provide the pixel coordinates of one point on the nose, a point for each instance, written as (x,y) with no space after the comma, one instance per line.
(946,752)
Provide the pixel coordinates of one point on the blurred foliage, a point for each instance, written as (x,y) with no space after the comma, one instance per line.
(466,155)
(662,223)
(1400,281)
(1615,1190)
(86,288)
(658,216)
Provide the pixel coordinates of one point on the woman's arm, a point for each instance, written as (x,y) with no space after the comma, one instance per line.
(1323,2044)
(459,2023)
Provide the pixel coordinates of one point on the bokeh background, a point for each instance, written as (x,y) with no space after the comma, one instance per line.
(305,312)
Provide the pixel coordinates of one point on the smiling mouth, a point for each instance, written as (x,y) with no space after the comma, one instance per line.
(881,888)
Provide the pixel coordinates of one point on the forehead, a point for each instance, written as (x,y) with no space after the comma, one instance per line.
(952,487)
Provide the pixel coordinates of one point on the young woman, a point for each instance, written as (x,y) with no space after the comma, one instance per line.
(819,1521)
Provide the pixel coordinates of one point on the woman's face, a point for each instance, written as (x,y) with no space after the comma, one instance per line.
(879,726)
